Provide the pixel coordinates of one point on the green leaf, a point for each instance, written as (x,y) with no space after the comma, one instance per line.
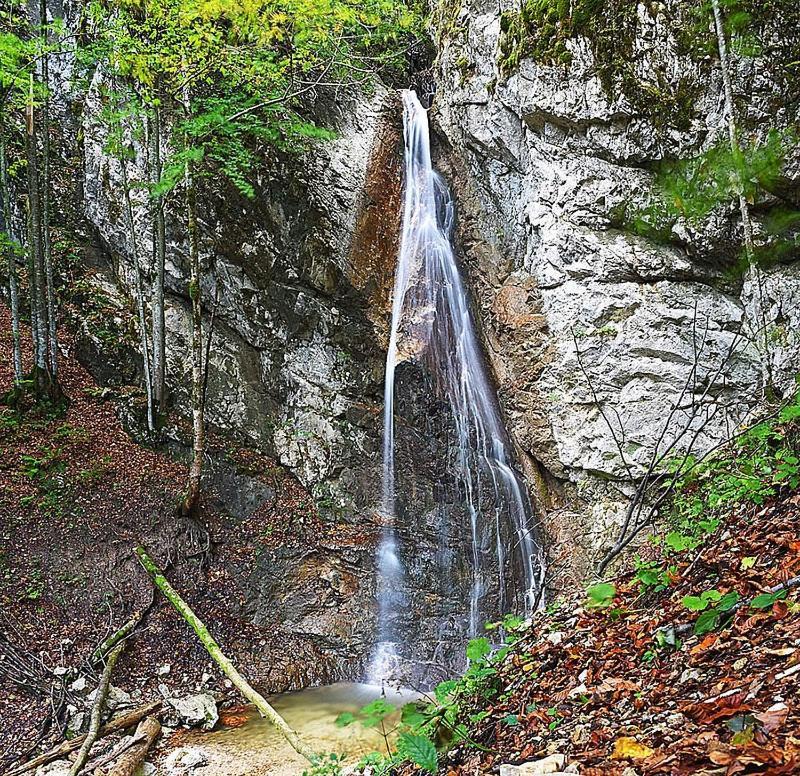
(706,622)
(694,603)
(374,713)
(419,750)
(728,601)
(511,720)
(344,719)
(749,561)
(765,600)
(412,716)
(601,595)
(443,689)
(478,649)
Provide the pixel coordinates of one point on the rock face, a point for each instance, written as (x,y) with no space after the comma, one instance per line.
(607,345)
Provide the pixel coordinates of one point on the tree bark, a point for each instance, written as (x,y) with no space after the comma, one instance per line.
(120,723)
(198,408)
(11,249)
(147,730)
(36,280)
(97,711)
(213,649)
(47,250)
(139,288)
(160,250)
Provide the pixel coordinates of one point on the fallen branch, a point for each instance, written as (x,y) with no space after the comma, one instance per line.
(97,711)
(213,649)
(121,747)
(114,639)
(147,732)
(65,747)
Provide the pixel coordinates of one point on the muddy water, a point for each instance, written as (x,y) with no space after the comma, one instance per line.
(255,747)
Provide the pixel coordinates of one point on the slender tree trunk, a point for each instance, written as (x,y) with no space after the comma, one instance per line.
(97,711)
(47,251)
(159,246)
(744,208)
(137,275)
(213,649)
(198,409)
(11,250)
(40,327)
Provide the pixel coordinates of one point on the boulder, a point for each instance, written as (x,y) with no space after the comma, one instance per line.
(196,710)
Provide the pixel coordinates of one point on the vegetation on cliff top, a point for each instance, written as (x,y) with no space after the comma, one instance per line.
(543,30)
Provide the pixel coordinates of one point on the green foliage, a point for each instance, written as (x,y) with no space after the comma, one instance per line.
(693,189)
(713,605)
(419,750)
(325,765)
(766,600)
(752,468)
(234,74)
(601,596)
(652,576)
(477,649)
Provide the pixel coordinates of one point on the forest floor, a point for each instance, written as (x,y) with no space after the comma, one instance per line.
(76,495)
(631,681)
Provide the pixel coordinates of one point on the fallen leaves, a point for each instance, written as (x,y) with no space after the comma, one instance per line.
(627,748)
(623,698)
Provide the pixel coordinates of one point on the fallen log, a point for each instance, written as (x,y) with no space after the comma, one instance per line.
(147,732)
(97,711)
(66,747)
(213,649)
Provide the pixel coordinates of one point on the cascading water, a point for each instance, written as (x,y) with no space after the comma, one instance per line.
(432,324)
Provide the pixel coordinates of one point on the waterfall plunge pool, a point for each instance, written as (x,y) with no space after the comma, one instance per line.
(255,748)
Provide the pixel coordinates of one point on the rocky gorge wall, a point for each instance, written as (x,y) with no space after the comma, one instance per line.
(542,158)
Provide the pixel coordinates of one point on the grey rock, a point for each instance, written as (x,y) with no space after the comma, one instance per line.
(184,759)
(55,768)
(542,163)
(554,763)
(196,710)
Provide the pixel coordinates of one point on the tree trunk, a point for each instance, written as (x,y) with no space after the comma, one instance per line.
(47,250)
(44,383)
(744,208)
(10,248)
(97,711)
(36,280)
(127,764)
(160,250)
(213,649)
(137,276)
(198,409)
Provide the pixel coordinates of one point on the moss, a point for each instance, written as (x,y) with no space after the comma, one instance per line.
(542,29)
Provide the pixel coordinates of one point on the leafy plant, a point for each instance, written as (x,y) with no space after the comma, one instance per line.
(601,595)
(713,606)
(325,765)
(419,750)
(766,600)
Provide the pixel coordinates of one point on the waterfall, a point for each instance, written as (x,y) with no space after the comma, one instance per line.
(432,324)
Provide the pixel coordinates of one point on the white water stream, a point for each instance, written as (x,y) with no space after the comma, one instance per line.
(432,323)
